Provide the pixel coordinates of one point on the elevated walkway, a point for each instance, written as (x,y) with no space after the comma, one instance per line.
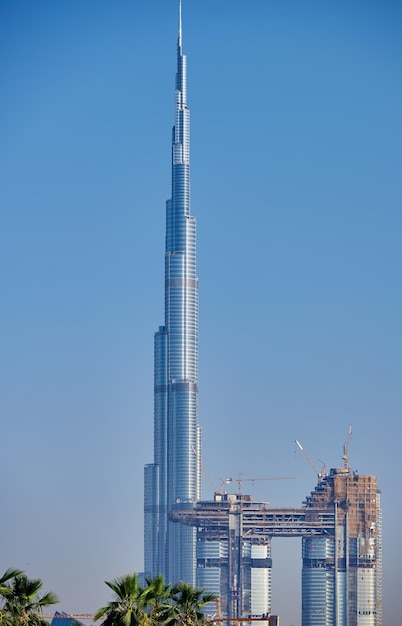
(255,518)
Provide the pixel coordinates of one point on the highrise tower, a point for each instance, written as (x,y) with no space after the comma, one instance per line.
(341,530)
(173,479)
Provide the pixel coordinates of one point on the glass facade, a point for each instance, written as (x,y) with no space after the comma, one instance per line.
(173,479)
(318,581)
(342,573)
(338,592)
(340,527)
(233,561)
(241,578)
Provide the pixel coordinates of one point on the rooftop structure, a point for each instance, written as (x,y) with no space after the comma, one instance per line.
(65,619)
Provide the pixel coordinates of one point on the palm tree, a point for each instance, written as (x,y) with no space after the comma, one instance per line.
(129,605)
(157,596)
(5,591)
(188,604)
(8,574)
(23,603)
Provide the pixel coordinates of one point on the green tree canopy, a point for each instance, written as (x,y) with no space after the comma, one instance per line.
(158,599)
(22,602)
(188,605)
(128,607)
(156,604)
(8,575)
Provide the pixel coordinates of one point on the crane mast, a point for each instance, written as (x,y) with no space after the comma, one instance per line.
(321,473)
(240,480)
(345,455)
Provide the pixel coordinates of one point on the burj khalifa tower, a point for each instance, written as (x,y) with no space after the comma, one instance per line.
(173,479)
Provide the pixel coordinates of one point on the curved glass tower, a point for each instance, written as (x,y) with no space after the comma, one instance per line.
(173,479)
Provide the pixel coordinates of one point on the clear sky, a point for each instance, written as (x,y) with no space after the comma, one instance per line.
(296,186)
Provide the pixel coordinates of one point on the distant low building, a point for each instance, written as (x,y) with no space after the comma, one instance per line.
(64,619)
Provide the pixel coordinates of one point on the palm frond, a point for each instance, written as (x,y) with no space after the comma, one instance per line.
(10,573)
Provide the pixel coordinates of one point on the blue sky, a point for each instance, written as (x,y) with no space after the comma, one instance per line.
(296,160)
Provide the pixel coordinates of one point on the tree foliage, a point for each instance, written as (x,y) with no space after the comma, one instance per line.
(156,604)
(128,607)
(188,603)
(21,602)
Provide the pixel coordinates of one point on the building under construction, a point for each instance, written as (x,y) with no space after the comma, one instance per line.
(340,527)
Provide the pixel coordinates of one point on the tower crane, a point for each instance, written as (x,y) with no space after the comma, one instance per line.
(240,480)
(321,473)
(345,455)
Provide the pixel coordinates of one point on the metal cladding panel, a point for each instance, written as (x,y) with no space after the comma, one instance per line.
(318,608)
(260,591)
(317,548)
(151,517)
(182,468)
(366,597)
(209,578)
(209,549)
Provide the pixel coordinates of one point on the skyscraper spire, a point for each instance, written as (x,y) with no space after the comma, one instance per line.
(173,479)
(180,26)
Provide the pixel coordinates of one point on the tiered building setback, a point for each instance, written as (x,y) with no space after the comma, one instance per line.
(173,479)
(342,572)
